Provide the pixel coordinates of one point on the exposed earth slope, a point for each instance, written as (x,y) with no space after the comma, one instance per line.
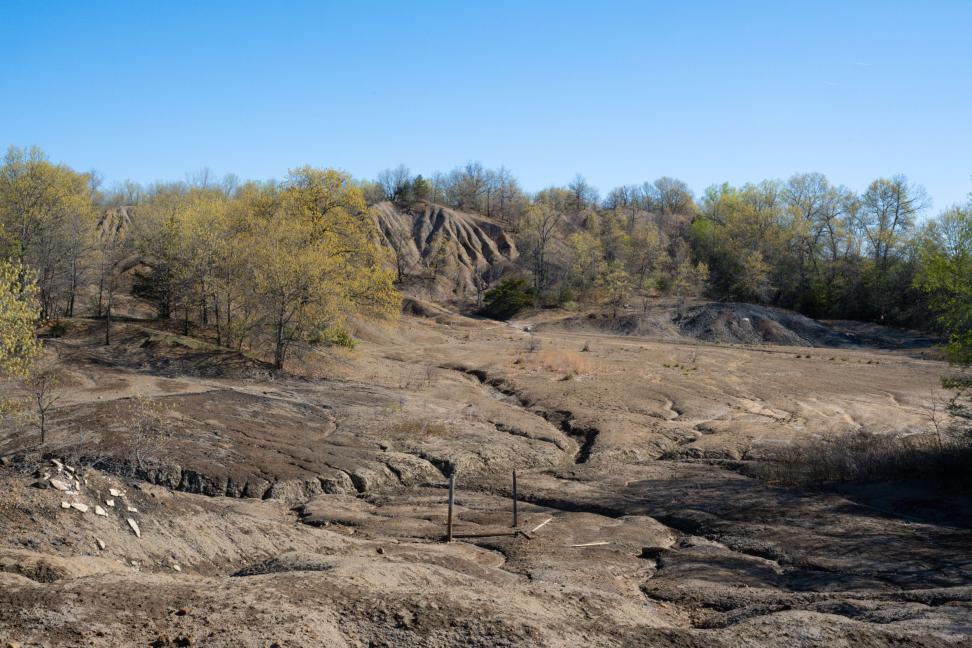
(445,252)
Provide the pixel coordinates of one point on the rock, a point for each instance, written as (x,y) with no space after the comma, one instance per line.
(78,506)
(57,464)
(68,468)
(65,505)
(110,502)
(256,487)
(197,482)
(13,644)
(100,511)
(653,553)
(134,526)
(40,484)
(182,611)
(100,543)
(380,550)
(336,482)
(60,484)
(168,475)
(295,491)
(176,567)
(114,492)
(132,509)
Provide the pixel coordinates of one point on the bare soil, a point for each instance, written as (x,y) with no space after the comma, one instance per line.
(310,510)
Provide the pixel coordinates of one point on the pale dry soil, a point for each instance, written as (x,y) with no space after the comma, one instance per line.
(310,510)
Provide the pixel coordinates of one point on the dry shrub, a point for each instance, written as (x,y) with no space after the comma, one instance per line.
(569,362)
(863,457)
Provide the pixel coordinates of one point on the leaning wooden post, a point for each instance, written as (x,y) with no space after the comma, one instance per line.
(452,499)
(515,521)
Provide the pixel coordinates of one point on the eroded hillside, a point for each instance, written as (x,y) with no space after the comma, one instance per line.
(328,491)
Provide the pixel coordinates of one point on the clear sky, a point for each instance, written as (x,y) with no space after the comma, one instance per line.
(621,92)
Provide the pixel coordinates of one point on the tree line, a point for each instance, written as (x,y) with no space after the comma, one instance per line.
(261,266)
(804,243)
(269,265)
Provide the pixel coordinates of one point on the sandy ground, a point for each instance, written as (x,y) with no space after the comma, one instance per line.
(310,510)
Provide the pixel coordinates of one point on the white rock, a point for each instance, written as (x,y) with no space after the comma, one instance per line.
(134,525)
(100,511)
(109,502)
(57,464)
(78,506)
(132,509)
(114,492)
(70,469)
(176,567)
(101,543)
(60,484)
(65,505)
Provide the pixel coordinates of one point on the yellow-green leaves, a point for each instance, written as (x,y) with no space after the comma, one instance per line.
(19,346)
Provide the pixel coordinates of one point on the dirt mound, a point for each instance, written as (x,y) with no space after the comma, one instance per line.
(161,352)
(722,323)
(752,324)
(458,248)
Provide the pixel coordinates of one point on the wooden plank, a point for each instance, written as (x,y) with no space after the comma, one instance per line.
(541,525)
(452,500)
(515,521)
(590,544)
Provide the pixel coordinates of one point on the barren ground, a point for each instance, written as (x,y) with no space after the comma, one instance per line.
(308,511)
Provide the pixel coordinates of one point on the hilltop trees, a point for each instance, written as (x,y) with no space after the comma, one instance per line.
(270,265)
(47,222)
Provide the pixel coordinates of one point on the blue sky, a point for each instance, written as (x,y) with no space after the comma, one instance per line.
(621,92)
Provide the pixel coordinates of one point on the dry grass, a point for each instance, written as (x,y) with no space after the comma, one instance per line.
(864,457)
(415,427)
(568,362)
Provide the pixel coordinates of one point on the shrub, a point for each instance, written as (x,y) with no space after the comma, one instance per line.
(507,299)
(335,335)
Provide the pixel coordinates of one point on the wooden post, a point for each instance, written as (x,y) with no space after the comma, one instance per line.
(515,521)
(452,499)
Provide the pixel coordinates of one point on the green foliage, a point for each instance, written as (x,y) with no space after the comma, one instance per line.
(336,335)
(507,299)
(946,276)
(19,346)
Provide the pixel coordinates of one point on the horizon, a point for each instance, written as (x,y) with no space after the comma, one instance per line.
(717,95)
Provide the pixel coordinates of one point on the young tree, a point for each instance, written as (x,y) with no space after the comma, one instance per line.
(617,285)
(112,249)
(44,386)
(540,228)
(315,261)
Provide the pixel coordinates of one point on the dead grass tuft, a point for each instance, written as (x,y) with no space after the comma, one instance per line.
(416,427)
(570,362)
